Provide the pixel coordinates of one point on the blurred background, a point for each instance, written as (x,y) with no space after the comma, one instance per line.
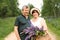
(10,9)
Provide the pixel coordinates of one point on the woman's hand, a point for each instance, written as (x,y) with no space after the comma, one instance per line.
(46,33)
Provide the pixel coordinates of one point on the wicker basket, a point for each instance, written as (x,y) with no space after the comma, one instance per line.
(45,37)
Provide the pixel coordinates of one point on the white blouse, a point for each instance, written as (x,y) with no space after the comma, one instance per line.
(39,23)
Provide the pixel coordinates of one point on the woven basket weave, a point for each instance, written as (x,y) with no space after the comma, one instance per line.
(46,37)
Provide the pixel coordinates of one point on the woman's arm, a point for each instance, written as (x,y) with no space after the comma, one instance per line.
(44,26)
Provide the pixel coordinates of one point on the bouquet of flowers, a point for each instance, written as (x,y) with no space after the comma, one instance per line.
(33,31)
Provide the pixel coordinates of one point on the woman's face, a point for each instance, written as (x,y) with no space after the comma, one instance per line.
(35,14)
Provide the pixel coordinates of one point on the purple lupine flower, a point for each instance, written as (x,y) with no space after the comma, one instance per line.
(31,31)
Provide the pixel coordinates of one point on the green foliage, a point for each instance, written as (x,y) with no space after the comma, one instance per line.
(9,8)
(51,8)
(31,6)
(54,25)
(6,26)
(41,33)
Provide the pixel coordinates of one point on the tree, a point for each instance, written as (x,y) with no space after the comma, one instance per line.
(51,8)
(31,6)
(9,8)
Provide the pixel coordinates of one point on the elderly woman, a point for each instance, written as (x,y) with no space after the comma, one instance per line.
(39,22)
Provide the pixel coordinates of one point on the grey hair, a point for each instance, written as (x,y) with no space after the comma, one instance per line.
(25,6)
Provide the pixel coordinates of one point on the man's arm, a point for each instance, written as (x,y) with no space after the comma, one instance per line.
(16,32)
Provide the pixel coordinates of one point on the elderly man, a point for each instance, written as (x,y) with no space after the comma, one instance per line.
(21,23)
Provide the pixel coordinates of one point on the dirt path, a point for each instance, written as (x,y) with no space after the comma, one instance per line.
(12,36)
(52,35)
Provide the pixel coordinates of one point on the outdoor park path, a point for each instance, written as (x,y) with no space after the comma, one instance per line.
(12,36)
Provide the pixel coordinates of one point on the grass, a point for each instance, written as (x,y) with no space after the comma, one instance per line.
(54,26)
(7,25)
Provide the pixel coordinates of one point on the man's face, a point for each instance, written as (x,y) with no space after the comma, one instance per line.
(25,11)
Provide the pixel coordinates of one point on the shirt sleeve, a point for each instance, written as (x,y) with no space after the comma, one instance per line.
(16,22)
